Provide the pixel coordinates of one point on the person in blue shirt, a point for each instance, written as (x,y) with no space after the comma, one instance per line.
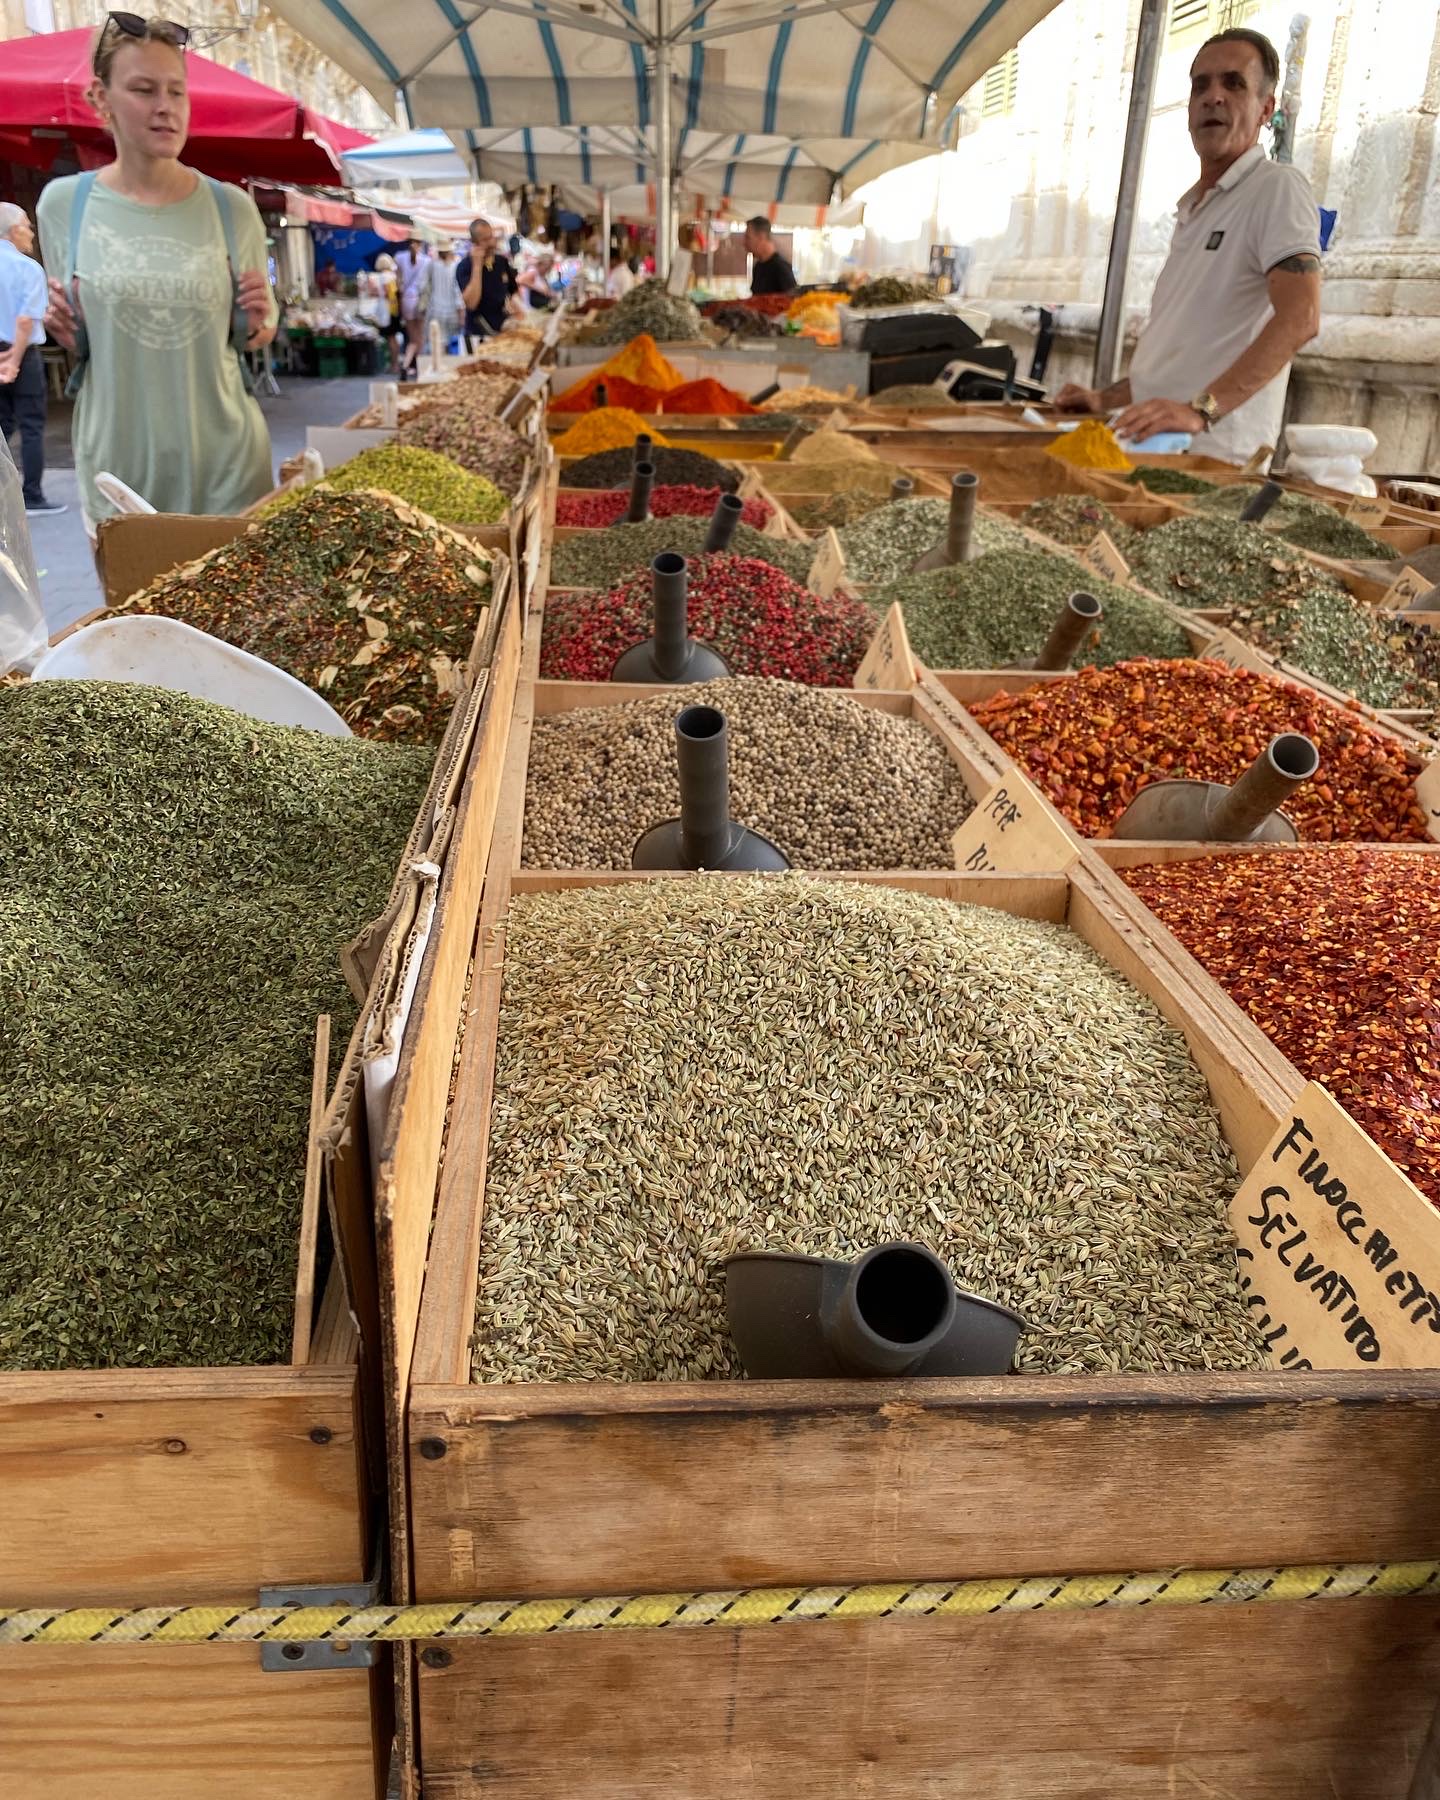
(23,299)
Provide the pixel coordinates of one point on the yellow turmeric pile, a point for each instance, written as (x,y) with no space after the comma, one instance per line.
(1091,445)
(641,362)
(609,428)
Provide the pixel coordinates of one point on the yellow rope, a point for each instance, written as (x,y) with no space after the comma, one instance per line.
(729,1608)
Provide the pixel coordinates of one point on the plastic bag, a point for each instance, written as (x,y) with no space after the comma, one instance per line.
(1330,440)
(1342,474)
(23,632)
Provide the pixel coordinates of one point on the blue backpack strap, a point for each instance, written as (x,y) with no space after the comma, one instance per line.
(78,202)
(227,223)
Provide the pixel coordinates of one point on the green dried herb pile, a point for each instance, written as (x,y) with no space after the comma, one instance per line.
(999,610)
(669,318)
(422,478)
(362,598)
(888,542)
(1075,520)
(176,881)
(1281,602)
(1301,520)
(603,558)
(860,1064)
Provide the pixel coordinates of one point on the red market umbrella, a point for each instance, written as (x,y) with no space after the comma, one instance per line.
(238,127)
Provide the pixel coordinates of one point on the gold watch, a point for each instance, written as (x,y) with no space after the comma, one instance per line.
(1208,408)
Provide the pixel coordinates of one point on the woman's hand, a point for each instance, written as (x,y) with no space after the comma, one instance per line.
(253,293)
(60,322)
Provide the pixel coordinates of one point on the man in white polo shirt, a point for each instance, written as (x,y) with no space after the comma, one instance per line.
(1240,290)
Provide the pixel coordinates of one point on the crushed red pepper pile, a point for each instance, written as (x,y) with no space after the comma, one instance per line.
(1093,741)
(759,620)
(606,507)
(1335,954)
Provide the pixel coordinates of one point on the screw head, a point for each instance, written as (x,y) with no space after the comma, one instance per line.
(320,1434)
(435,1659)
(292,1652)
(432,1449)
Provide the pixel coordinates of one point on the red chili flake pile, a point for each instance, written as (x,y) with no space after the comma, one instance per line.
(759,620)
(1093,741)
(1335,954)
(606,507)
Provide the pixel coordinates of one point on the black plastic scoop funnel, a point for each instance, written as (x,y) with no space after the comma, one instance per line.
(704,836)
(670,654)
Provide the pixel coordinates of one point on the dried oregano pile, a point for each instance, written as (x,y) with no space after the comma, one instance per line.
(889,542)
(362,598)
(601,558)
(1307,523)
(1281,602)
(668,318)
(1075,520)
(176,882)
(836,784)
(1000,608)
(859,1064)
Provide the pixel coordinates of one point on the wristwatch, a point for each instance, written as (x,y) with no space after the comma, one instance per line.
(1208,408)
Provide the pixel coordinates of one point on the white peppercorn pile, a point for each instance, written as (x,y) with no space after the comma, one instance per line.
(691,1067)
(835,784)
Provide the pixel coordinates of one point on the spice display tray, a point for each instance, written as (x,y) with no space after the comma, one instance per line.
(1223,474)
(167,1486)
(545,699)
(575,1489)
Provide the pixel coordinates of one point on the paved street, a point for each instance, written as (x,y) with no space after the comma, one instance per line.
(62,552)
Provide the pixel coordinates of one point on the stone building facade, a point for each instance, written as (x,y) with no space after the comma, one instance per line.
(1029,192)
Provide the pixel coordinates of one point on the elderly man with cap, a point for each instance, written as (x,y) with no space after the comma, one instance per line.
(23,298)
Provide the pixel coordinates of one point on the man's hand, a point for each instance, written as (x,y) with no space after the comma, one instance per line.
(60,322)
(253,293)
(1078,399)
(1151,416)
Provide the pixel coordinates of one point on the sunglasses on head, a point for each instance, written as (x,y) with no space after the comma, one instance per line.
(135,25)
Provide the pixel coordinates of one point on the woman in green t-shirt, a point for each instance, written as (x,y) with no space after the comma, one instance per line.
(158,294)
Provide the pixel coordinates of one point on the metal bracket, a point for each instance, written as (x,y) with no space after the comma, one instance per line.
(326,1653)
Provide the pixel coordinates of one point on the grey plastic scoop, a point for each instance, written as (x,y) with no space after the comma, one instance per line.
(766,393)
(1079,616)
(955,546)
(724,519)
(644,444)
(1210,812)
(642,479)
(901,488)
(1265,497)
(670,654)
(704,836)
(799,431)
(894,1311)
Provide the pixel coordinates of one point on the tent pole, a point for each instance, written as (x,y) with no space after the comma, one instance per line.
(664,147)
(604,239)
(1110,338)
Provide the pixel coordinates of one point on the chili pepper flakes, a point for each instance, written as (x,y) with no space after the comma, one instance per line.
(608,507)
(1335,955)
(759,620)
(363,598)
(1095,739)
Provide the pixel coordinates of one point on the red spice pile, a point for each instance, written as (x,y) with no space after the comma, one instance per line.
(606,507)
(618,392)
(705,396)
(1335,954)
(1093,741)
(759,620)
(772,305)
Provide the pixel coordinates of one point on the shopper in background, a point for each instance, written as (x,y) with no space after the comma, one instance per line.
(621,278)
(23,298)
(328,280)
(771,273)
(442,295)
(487,285)
(1240,290)
(412,273)
(535,281)
(144,274)
(393,326)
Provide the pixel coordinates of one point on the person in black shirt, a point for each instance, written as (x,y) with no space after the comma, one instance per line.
(487,282)
(771,273)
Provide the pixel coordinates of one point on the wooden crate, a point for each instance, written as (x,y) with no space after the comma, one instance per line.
(580,1488)
(545,699)
(146,1486)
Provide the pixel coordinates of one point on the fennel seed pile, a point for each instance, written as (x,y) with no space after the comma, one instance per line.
(695,1066)
(837,785)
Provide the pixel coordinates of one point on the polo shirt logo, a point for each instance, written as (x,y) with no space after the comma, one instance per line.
(1213,241)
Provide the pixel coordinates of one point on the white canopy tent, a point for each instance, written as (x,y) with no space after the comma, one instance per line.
(881,71)
(420,159)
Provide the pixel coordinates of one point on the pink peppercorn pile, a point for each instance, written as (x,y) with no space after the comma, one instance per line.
(759,620)
(1092,741)
(606,506)
(1335,954)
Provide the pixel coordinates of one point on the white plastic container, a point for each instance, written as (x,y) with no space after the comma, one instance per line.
(165,653)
